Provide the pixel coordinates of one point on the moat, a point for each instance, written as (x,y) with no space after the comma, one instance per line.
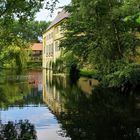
(61,109)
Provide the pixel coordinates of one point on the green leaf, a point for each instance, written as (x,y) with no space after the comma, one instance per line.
(138,20)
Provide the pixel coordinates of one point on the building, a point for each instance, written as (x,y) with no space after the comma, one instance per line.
(36,52)
(51,39)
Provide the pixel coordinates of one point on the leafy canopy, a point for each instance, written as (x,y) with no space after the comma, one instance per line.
(17,25)
(98,33)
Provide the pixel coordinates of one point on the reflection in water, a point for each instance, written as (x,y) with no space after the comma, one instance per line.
(12,89)
(103,115)
(55,88)
(21,130)
(18,89)
(65,111)
(87,84)
(51,93)
(21,99)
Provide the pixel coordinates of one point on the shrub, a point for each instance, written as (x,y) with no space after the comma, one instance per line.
(130,75)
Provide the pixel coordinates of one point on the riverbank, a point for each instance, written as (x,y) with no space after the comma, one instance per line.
(88,73)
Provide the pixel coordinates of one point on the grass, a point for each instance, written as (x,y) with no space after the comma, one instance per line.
(88,73)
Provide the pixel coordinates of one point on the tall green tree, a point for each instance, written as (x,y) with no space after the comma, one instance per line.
(15,54)
(23,11)
(32,32)
(97,33)
(16,17)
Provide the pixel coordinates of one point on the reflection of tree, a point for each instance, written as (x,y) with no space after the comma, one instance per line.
(32,98)
(10,93)
(105,115)
(58,82)
(16,89)
(22,130)
(13,88)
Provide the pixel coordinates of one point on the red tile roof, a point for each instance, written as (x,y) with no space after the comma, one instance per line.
(37,47)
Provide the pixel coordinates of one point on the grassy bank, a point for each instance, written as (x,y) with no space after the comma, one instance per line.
(89,73)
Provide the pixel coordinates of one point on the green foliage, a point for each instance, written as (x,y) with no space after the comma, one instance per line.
(22,130)
(10,10)
(34,65)
(16,23)
(65,61)
(58,66)
(126,76)
(105,115)
(97,33)
(133,19)
(15,54)
(23,10)
(14,46)
(13,88)
(31,31)
(88,73)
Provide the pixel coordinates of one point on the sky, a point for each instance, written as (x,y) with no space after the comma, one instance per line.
(44,15)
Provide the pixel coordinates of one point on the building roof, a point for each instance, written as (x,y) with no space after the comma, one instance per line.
(37,47)
(61,15)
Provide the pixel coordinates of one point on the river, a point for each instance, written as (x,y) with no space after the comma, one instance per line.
(57,108)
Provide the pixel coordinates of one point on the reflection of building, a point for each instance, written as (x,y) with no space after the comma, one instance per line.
(87,84)
(36,52)
(52,38)
(51,96)
(35,79)
(57,88)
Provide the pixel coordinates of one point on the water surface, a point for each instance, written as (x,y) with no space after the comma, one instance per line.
(61,109)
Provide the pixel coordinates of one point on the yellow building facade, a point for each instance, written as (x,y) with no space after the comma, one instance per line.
(51,40)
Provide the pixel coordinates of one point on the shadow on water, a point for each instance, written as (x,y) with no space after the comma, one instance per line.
(105,114)
(74,75)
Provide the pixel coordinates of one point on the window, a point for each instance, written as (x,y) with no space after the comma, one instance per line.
(44,49)
(56,46)
(52,35)
(57,30)
(47,50)
(51,49)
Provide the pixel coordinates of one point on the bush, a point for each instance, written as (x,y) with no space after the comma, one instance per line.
(130,75)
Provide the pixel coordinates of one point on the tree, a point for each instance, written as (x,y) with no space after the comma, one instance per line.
(22,11)
(15,54)
(97,33)
(14,24)
(32,32)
